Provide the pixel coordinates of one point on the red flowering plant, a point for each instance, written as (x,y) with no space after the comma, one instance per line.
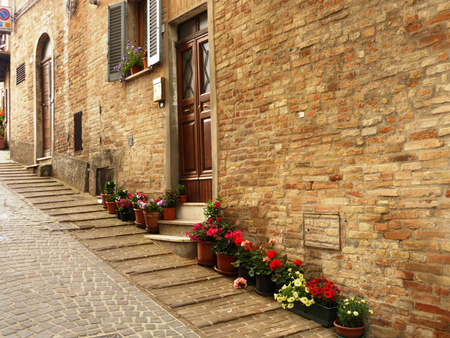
(206,231)
(212,209)
(125,204)
(154,205)
(264,261)
(285,273)
(245,253)
(136,198)
(324,292)
(227,240)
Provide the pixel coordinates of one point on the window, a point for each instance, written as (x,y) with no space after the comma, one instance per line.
(192,27)
(20,74)
(77,132)
(142,24)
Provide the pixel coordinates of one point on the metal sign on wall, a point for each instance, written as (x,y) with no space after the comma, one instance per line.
(5,20)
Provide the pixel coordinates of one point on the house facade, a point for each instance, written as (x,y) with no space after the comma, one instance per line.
(323,124)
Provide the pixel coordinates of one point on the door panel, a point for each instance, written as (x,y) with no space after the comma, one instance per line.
(195,119)
(46,121)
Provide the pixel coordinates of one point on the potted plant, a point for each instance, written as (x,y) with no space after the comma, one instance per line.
(283,275)
(264,262)
(121,193)
(2,129)
(108,189)
(245,253)
(125,209)
(212,209)
(131,61)
(182,197)
(138,199)
(203,234)
(152,213)
(111,203)
(145,58)
(170,202)
(227,242)
(294,291)
(351,313)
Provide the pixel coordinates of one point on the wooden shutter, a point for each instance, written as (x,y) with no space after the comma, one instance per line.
(78,131)
(20,74)
(154,31)
(116,38)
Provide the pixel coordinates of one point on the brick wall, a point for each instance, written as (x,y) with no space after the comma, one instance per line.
(342,107)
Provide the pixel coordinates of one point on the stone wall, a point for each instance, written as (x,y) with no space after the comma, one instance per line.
(342,108)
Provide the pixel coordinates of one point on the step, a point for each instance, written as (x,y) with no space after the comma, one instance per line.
(181,246)
(191,211)
(176,227)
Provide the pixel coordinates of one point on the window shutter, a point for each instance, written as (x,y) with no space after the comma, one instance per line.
(154,31)
(116,38)
(78,131)
(20,74)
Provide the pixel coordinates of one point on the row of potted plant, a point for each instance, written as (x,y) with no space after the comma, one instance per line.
(222,246)
(137,207)
(134,60)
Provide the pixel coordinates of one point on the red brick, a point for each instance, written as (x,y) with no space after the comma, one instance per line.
(441,335)
(397,235)
(425,298)
(404,274)
(417,286)
(432,39)
(440,17)
(423,135)
(434,269)
(432,309)
(429,323)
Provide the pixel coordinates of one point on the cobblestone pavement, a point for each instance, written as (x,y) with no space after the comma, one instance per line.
(51,286)
(56,287)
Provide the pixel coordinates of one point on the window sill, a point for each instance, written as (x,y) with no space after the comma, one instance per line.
(142,72)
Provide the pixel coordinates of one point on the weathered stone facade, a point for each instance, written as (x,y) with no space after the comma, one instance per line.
(323,108)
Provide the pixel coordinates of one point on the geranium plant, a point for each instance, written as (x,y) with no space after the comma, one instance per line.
(125,205)
(295,291)
(227,240)
(212,209)
(283,275)
(132,57)
(264,261)
(136,197)
(154,205)
(324,291)
(121,193)
(204,232)
(352,312)
(245,253)
(170,198)
(2,128)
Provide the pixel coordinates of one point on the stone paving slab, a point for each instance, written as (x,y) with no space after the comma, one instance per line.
(73,210)
(45,194)
(194,293)
(104,223)
(53,188)
(155,263)
(109,232)
(227,309)
(117,242)
(68,204)
(91,216)
(165,278)
(278,323)
(20,179)
(23,185)
(133,252)
(56,200)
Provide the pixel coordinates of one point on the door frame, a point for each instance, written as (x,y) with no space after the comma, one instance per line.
(170,67)
(38,126)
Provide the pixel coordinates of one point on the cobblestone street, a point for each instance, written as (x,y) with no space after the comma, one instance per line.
(51,286)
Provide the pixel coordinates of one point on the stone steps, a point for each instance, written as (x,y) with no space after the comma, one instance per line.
(176,227)
(180,245)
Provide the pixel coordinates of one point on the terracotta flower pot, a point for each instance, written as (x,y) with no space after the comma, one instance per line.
(111,207)
(151,221)
(145,62)
(349,332)
(204,254)
(140,220)
(182,199)
(224,264)
(2,142)
(135,69)
(169,214)
(104,200)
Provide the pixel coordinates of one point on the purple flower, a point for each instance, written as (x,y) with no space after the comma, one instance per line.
(160,203)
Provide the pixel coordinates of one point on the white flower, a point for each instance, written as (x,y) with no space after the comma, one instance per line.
(290,305)
(370,311)
(291,299)
(296,294)
(356,313)
(348,312)
(298,282)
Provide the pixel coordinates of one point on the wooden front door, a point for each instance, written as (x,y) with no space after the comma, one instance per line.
(194,116)
(46,97)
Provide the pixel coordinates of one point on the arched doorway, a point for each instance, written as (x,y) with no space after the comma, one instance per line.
(44,84)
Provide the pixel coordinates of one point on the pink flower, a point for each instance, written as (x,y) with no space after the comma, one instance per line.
(240,283)
(272,241)
(266,259)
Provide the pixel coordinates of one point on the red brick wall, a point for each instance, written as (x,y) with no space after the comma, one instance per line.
(371,78)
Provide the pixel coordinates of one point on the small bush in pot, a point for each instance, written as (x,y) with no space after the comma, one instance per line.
(352,312)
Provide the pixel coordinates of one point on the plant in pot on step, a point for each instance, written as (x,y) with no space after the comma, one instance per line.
(203,234)
(2,129)
(182,197)
(227,242)
(131,61)
(152,213)
(282,275)
(111,203)
(139,201)
(351,313)
(170,199)
(121,193)
(125,209)
(108,189)
(264,262)
(245,254)
(212,209)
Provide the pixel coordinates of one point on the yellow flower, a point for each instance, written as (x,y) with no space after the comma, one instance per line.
(291,299)
(290,305)
(306,290)
(283,306)
(296,294)
(370,311)
(363,301)
(356,313)
(348,312)
(290,269)
(297,282)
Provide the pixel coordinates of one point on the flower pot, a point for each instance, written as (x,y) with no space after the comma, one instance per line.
(111,207)
(125,216)
(104,200)
(182,199)
(140,220)
(169,214)
(151,221)
(2,142)
(243,272)
(204,254)
(117,204)
(349,332)
(224,264)
(145,61)
(319,313)
(264,285)
(135,69)
(132,214)
(119,214)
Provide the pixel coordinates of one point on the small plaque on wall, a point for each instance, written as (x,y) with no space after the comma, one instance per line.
(322,231)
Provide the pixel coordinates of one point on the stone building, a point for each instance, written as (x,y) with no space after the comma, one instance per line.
(322,123)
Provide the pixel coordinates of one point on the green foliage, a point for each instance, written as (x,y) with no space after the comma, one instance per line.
(212,209)
(170,198)
(294,291)
(110,187)
(352,312)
